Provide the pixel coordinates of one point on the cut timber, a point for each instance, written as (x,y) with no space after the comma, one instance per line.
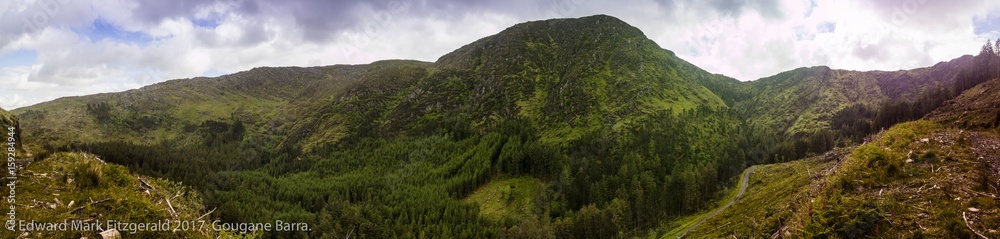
(111,234)
(206,214)
(91,204)
(172,212)
(143,183)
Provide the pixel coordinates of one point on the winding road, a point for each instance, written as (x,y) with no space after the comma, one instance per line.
(744,182)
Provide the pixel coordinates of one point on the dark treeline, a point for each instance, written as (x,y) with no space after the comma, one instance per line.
(855,122)
(897,111)
(985,66)
(194,164)
(766,146)
(661,168)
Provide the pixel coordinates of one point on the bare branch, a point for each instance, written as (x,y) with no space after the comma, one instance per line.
(970,227)
(206,214)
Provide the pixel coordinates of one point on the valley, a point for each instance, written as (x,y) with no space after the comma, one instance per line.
(560,128)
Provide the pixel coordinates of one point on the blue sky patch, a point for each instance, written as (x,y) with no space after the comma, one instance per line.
(213,73)
(809,10)
(987,25)
(19,58)
(104,30)
(206,23)
(826,27)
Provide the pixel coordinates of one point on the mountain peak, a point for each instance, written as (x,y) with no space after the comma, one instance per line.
(571,33)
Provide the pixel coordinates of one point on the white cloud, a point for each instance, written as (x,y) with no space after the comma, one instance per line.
(845,34)
(743,39)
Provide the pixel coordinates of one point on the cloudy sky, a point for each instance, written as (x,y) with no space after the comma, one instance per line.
(56,48)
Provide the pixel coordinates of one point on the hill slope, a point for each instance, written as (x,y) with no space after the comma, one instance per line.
(8,121)
(917,179)
(804,100)
(68,187)
(936,177)
(978,107)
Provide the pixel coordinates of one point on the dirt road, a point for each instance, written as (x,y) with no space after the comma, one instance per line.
(744,182)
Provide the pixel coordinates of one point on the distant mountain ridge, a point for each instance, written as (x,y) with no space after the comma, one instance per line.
(792,102)
(531,70)
(803,100)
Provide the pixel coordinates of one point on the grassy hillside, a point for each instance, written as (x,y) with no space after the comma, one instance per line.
(918,179)
(570,74)
(79,186)
(8,121)
(6,118)
(930,178)
(508,199)
(774,193)
(265,99)
(978,107)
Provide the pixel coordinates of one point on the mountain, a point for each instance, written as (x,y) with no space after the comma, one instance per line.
(588,118)
(804,100)
(543,71)
(562,128)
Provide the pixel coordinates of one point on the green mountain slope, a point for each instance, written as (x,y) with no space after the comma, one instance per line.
(263,98)
(7,118)
(614,133)
(10,121)
(564,74)
(623,65)
(7,121)
(805,99)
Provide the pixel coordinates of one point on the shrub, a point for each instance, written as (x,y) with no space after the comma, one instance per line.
(929,157)
(844,222)
(876,162)
(901,135)
(118,175)
(88,175)
(954,225)
(860,223)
